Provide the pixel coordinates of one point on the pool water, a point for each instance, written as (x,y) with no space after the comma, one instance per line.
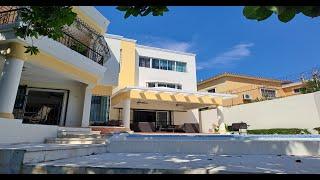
(273,137)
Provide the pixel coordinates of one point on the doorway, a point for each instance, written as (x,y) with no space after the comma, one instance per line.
(45,106)
(158,118)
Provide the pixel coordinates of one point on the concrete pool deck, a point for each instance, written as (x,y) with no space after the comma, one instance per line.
(137,163)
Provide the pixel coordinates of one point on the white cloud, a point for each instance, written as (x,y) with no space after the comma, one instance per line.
(230,57)
(166,43)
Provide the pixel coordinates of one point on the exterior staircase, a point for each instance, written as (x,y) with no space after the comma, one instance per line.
(86,136)
(70,142)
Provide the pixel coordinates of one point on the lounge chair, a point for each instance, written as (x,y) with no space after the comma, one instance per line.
(41,116)
(191,127)
(144,127)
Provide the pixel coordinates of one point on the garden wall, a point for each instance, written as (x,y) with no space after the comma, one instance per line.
(300,111)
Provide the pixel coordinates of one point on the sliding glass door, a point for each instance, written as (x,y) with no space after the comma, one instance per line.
(99,113)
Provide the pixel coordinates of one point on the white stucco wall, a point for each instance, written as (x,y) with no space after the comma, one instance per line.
(111,76)
(13,131)
(186,79)
(300,111)
(75,102)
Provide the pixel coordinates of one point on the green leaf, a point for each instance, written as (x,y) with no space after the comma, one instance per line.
(122,8)
(32,50)
(287,15)
(250,12)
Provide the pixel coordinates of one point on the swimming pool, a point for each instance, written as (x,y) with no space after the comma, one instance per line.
(272,137)
(304,145)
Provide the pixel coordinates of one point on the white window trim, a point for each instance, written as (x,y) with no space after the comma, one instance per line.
(159,59)
(156,84)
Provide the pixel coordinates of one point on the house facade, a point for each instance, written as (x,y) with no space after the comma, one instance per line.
(88,77)
(248,88)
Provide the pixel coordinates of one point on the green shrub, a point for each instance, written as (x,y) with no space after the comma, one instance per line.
(279,131)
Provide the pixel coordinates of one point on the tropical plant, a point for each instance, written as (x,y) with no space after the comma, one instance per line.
(312,85)
(43,21)
(259,13)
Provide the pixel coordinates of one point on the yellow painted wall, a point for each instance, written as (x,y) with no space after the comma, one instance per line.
(101,90)
(47,61)
(127,64)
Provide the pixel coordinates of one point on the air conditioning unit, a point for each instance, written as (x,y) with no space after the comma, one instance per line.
(247,97)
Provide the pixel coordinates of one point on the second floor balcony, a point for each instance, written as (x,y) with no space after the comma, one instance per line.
(79,36)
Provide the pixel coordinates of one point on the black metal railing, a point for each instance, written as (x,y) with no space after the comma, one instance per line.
(8,16)
(81,48)
(11,16)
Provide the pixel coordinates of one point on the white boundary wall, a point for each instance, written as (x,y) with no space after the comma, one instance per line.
(14,131)
(300,111)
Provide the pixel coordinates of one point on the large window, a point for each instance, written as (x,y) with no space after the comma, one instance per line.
(181,66)
(172,65)
(99,113)
(162,64)
(144,62)
(163,84)
(155,63)
(268,93)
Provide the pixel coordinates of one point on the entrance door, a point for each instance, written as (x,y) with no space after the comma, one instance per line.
(162,119)
(45,106)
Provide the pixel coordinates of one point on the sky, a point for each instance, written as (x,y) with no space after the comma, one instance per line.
(225,41)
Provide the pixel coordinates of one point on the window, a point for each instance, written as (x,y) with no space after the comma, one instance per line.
(212,90)
(144,62)
(99,112)
(181,66)
(297,91)
(163,84)
(151,84)
(171,65)
(268,93)
(164,64)
(155,63)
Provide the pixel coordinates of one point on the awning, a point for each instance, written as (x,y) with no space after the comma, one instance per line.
(167,99)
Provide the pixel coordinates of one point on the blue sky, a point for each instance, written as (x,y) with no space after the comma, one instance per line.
(224,41)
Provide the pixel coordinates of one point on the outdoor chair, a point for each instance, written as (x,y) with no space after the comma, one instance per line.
(191,127)
(144,127)
(41,116)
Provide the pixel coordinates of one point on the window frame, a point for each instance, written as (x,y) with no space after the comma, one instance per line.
(269,89)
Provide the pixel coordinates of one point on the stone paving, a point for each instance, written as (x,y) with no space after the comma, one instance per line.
(179,163)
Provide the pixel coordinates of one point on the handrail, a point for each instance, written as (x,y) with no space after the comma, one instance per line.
(11,16)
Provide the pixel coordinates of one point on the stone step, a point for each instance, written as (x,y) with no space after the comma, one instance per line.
(76,140)
(13,156)
(82,136)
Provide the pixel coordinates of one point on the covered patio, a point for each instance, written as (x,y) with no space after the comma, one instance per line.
(163,109)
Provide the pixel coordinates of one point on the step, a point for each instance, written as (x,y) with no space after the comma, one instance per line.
(76,141)
(82,136)
(13,156)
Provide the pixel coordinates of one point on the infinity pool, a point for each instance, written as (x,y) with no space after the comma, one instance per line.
(273,137)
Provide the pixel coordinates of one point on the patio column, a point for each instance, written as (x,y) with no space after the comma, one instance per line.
(220,115)
(126,113)
(87,106)
(9,83)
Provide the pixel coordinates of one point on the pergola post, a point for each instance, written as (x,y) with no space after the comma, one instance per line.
(126,113)
(220,115)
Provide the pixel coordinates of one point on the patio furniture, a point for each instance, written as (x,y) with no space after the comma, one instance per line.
(114,123)
(241,128)
(144,127)
(41,116)
(191,127)
(168,128)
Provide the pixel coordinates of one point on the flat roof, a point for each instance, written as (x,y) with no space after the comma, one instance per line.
(114,36)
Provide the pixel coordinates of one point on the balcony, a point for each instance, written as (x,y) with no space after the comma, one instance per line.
(79,37)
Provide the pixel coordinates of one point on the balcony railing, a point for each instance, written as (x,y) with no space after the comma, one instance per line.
(11,16)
